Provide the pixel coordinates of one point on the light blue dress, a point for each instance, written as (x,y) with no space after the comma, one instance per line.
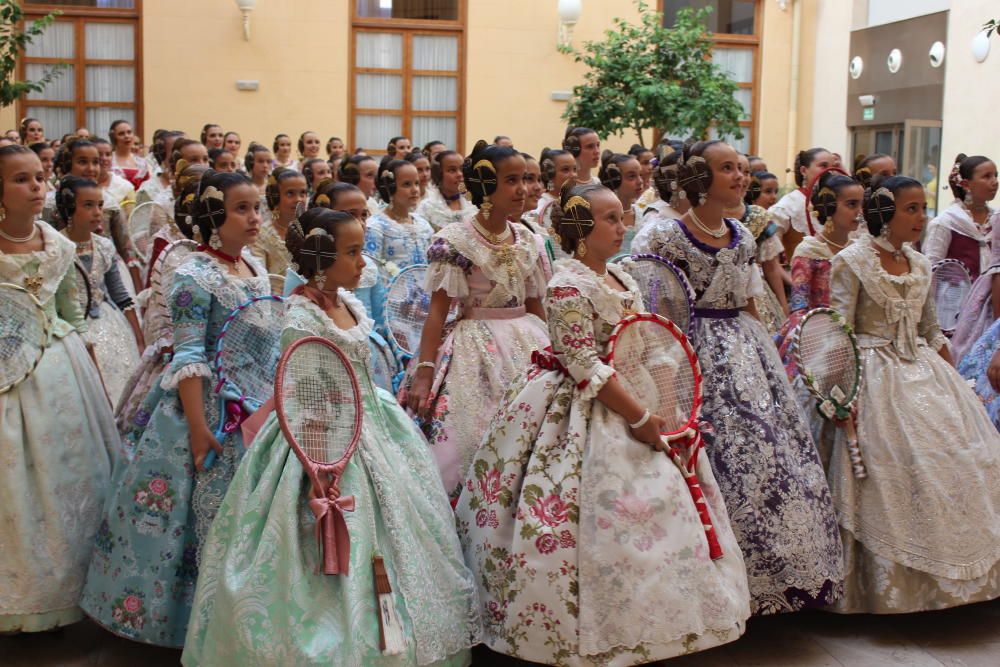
(973,368)
(396,246)
(261,599)
(142,577)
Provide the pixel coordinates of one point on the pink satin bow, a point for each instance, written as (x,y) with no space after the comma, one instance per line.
(331,530)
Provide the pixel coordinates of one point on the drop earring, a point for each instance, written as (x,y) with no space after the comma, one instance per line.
(487,207)
(214,242)
(581,248)
(967,199)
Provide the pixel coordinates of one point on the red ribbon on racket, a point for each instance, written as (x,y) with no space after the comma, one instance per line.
(331,530)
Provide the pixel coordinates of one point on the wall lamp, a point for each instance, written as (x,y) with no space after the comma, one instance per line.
(246,6)
(569,14)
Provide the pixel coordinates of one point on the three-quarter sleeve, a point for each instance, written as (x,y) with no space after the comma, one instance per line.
(802,284)
(845,287)
(116,288)
(190,306)
(68,302)
(447,269)
(571,324)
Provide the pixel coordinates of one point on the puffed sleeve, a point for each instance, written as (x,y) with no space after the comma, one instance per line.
(770,247)
(936,241)
(190,306)
(571,324)
(448,269)
(802,277)
(68,302)
(928,328)
(845,287)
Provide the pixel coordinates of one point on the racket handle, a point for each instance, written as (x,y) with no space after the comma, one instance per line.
(854,451)
(209,459)
(219,435)
(697,496)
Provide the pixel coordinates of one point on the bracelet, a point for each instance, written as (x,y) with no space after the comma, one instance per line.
(426,364)
(643,420)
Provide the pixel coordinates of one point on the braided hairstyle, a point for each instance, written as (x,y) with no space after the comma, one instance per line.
(183,172)
(756,188)
(350,168)
(665,175)
(825,191)
(880,201)
(187,187)
(64,158)
(571,142)
(437,171)
(209,211)
(312,240)
(610,172)
(694,177)
(572,217)
(385,179)
(307,169)
(66,196)
(547,164)
(480,169)
(273,191)
(863,172)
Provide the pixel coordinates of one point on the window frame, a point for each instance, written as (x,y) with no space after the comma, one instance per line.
(79,17)
(407,28)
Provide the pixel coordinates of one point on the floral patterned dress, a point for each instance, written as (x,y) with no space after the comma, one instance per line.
(974,365)
(922,531)
(142,577)
(54,472)
(108,330)
(565,516)
(261,599)
(488,346)
(395,245)
(761,451)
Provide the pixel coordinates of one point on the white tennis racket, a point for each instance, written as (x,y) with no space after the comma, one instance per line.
(950,284)
(664,287)
(140,223)
(24,334)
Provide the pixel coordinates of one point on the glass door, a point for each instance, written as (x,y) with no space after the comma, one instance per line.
(922,157)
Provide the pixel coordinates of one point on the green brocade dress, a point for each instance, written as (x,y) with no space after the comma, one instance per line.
(261,599)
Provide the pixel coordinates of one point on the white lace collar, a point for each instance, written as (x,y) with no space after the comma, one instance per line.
(609,303)
(812,248)
(356,334)
(54,260)
(958,219)
(436,211)
(230,290)
(489,258)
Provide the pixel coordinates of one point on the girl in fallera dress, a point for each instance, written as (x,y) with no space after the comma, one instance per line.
(444,202)
(645,158)
(56,471)
(790,212)
(124,161)
(141,580)
(113,327)
(361,170)
(761,452)
(212,136)
(158,329)
(495,271)
(287,193)
(423,166)
(763,191)
(282,150)
(315,170)
(395,236)
(771,304)
(568,511)
(557,167)
(585,147)
(922,531)
(623,175)
(258,163)
(533,190)
(262,598)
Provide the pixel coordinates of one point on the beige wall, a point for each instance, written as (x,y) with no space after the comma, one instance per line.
(194,52)
(775,87)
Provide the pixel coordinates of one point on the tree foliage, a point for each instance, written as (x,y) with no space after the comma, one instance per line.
(15,36)
(650,76)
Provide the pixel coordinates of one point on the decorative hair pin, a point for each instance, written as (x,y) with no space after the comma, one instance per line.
(212,192)
(322,200)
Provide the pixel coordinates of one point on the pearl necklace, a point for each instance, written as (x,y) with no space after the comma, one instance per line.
(714,233)
(823,238)
(24,239)
(495,239)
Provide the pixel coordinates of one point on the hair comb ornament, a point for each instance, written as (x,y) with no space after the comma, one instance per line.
(212,192)
(577,217)
(883,205)
(322,200)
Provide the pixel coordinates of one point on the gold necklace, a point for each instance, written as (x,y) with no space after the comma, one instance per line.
(495,239)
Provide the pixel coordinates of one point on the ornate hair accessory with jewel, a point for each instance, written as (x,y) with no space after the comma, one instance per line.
(322,200)
(883,205)
(577,217)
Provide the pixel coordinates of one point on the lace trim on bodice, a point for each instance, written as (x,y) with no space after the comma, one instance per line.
(41,277)
(230,290)
(610,305)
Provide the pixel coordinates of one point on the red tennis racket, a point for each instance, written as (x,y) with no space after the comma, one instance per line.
(318,402)
(656,364)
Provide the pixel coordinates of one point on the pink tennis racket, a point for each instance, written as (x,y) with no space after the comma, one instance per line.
(656,364)
(318,402)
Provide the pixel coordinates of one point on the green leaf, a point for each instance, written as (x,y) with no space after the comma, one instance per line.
(14,40)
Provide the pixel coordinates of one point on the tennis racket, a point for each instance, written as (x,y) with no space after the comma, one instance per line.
(950,284)
(407,305)
(140,223)
(826,353)
(656,364)
(156,321)
(24,334)
(318,403)
(664,287)
(246,355)
(383,363)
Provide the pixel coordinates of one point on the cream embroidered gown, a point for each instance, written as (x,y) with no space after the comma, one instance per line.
(586,544)
(923,530)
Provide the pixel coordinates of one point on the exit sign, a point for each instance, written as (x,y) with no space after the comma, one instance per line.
(868,113)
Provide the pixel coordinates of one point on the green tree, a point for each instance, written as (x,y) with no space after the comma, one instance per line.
(650,76)
(15,36)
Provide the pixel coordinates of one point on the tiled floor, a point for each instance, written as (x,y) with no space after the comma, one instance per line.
(963,637)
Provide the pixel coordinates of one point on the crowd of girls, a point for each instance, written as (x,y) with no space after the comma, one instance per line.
(516,491)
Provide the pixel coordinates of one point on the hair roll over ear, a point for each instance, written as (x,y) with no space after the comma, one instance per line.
(572,217)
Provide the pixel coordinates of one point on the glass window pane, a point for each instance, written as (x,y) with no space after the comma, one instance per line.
(378,91)
(109,41)
(435,53)
(430,10)
(59,89)
(98,4)
(435,93)
(58,41)
(433,128)
(373,132)
(57,121)
(736,63)
(741,145)
(99,119)
(378,49)
(923,151)
(731,17)
(110,83)
(745,97)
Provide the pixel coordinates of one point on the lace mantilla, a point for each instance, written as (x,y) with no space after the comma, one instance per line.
(208,274)
(609,304)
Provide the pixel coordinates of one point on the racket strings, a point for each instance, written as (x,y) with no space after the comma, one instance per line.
(654,367)
(250,348)
(826,354)
(407,307)
(950,286)
(662,290)
(22,335)
(319,403)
